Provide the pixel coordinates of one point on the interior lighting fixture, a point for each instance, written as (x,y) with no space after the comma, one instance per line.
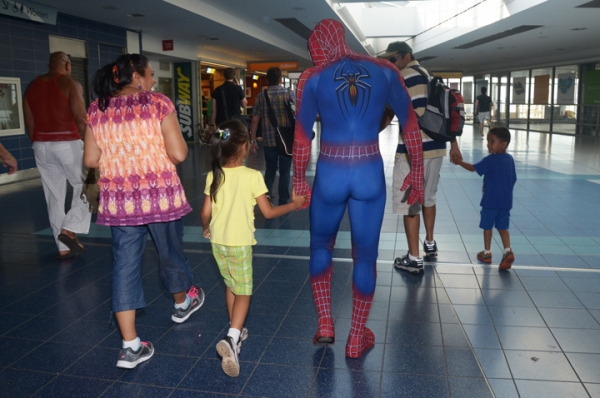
(254,77)
(210,70)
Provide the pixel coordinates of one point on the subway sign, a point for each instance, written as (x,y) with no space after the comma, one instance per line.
(183,99)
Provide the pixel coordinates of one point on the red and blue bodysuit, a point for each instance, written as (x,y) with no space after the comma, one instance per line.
(349,92)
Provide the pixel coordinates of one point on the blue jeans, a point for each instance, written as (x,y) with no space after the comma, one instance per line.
(274,161)
(129,244)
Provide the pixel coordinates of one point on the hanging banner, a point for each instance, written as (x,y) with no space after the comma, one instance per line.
(541,89)
(566,89)
(591,88)
(519,90)
(183,99)
(467,92)
(30,11)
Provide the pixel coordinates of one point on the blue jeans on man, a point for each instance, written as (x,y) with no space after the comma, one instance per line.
(276,161)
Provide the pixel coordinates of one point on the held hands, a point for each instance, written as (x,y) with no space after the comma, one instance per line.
(254,146)
(298,200)
(303,189)
(455,155)
(206,233)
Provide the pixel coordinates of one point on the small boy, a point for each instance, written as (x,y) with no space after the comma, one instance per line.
(499,179)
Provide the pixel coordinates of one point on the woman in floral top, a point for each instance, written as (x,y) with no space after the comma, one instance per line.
(133,137)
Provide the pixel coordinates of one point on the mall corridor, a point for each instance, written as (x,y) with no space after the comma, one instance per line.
(462,329)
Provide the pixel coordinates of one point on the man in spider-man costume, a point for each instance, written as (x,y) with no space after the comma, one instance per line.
(349,92)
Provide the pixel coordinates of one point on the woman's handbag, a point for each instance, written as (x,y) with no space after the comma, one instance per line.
(90,193)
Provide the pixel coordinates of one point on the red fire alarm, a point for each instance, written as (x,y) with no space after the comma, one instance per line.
(167,45)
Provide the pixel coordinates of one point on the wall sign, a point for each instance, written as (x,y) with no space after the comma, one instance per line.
(541,89)
(183,99)
(29,11)
(519,89)
(262,66)
(566,89)
(167,45)
(591,93)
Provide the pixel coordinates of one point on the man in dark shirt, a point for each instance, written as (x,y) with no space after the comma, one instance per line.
(226,100)
(483,107)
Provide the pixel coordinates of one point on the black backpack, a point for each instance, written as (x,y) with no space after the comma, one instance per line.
(444,117)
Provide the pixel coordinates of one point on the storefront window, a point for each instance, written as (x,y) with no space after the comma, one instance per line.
(518,109)
(467,92)
(566,91)
(540,112)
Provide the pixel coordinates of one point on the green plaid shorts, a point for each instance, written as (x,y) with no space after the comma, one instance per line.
(235,264)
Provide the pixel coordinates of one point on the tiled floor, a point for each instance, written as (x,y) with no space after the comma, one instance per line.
(461,330)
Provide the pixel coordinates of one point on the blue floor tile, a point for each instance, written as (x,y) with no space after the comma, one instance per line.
(413,386)
(344,383)
(469,387)
(540,365)
(22,383)
(67,386)
(529,388)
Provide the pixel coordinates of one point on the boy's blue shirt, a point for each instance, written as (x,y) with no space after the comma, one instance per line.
(499,180)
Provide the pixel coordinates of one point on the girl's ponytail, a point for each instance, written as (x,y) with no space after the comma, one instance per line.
(225,145)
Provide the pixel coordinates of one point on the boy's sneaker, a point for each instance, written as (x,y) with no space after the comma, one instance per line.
(243,337)
(196,301)
(507,260)
(484,257)
(129,359)
(430,249)
(229,356)
(406,264)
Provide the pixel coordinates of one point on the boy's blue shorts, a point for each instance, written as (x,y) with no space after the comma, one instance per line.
(498,217)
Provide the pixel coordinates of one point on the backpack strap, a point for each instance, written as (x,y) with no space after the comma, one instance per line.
(270,112)
(422,70)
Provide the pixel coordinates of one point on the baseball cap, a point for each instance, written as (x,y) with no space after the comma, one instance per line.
(396,47)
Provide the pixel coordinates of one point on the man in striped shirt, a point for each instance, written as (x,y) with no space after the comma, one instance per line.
(400,54)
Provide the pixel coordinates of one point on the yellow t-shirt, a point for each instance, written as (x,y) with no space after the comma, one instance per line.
(232,219)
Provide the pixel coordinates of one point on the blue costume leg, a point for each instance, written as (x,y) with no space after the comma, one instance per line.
(326,212)
(365,219)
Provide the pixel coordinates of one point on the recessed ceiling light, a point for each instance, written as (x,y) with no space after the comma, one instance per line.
(136,15)
(111,8)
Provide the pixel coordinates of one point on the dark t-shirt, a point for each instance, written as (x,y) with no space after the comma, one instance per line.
(484,103)
(233,96)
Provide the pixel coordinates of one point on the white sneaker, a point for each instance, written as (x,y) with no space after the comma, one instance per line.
(229,354)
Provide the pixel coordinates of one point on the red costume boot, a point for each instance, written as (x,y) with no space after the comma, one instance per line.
(361,338)
(321,288)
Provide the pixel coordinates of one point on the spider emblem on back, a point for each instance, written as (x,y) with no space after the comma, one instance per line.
(354,93)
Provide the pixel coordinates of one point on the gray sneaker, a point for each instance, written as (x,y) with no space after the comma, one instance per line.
(430,249)
(229,356)
(196,301)
(243,337)
(412,266)
(129,359)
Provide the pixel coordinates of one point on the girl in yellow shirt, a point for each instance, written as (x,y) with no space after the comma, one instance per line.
(232,190)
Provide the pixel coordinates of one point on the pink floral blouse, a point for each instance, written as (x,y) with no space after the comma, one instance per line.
(138,182)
